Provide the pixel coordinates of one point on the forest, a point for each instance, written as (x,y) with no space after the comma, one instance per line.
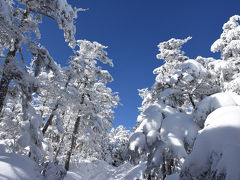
(56,122)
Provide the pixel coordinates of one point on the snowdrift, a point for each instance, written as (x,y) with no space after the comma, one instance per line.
(17,167)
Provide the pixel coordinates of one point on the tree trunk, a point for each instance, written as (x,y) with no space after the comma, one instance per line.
(164,170)
(49,121)
(73,143)
(74,138)
(4,83)
(61,141)
(6,76)
(191,100)
(59,147)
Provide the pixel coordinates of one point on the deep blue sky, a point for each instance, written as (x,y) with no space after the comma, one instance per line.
(132,30)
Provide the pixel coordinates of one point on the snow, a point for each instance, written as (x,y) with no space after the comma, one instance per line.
(137,141)
(5,11)
(177,130)
(24,139)
(218,66)
(228,43)
(100,170)
(151,119)
(152,137)
(211,103)
(148,130)
(192,67)
(17,167)
(173,177)
(219,141)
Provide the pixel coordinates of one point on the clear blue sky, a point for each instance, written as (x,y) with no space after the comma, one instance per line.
(132,30)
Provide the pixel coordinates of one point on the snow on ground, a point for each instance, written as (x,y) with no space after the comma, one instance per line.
(173,177)
(17,167)
(100,170)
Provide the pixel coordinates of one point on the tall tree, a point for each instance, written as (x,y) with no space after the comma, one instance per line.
(19,22)
(95,100)
(180,84)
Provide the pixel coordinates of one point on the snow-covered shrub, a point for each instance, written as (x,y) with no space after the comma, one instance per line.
(215,154)
(164,136)
(211,103)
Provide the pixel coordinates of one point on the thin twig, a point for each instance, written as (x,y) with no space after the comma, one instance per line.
(44,14)
(22,59)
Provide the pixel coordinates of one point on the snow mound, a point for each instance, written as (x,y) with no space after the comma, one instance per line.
(150,119)
(17,167)
(216,150)
(177,131)
(150,122)
(213,102)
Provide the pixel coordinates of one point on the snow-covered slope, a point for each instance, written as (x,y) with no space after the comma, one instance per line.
(100,170)
(17,167)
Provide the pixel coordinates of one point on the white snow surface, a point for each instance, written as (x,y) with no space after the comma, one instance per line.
(193,68)
(173,177)
(178,129)
(100,170)
(213,102)
(219,141)
(151,121)
(17,167)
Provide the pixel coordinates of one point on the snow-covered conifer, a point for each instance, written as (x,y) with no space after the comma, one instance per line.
(118,145)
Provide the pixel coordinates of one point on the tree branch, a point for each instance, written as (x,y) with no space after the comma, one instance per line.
(42,13)
(22,59)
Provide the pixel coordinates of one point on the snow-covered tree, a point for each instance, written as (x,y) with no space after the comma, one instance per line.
(164,136)
(180,81)
(170,112)
(118,145)
(11,120)
(19,22)
(165,133)
(53,110)
(94,101)
(19,25)
(229,45)
(215,154)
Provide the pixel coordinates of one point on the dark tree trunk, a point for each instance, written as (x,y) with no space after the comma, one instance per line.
(74,138)
(4,83)
(59,147)
(49,121)
(191,100)
(73,143)
(164,170)
(6,76)
(62,138)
